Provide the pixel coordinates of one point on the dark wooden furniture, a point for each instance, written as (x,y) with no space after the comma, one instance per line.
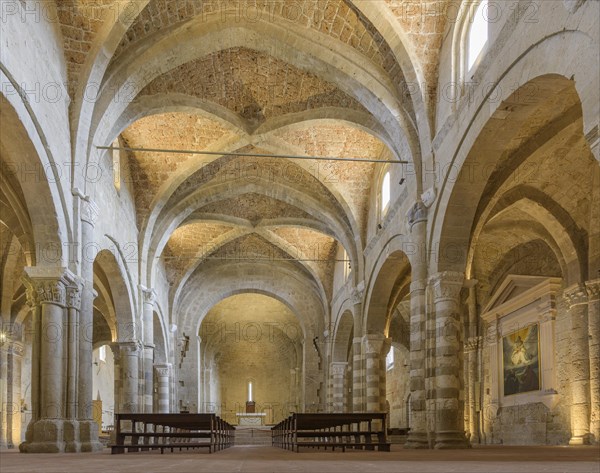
(358,430)
(143,432)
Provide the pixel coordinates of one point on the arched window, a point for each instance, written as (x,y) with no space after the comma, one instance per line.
(477,33)
(102,353)
(385,193)
(346,263)
(250,395)
(389,359)
(116,165)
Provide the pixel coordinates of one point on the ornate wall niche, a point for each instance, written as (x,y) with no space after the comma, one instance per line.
(520,321)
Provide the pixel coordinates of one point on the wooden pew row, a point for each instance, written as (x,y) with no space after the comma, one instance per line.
(143,432)
(363,430)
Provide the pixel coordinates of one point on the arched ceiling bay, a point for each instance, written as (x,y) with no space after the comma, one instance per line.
(342,95)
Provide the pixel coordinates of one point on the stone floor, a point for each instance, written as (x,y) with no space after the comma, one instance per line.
(272,460)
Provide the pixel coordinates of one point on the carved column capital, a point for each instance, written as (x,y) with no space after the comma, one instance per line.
(446,285)
(130,348)
(356,296)
(74,296)
(163,369)
(15,348)
(593,289)
(417,213)
(338,368)
(48,285)
(89,211)
(472,344)
(148,295)
(575,295)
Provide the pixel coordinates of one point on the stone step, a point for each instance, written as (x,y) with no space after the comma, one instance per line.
(252,436)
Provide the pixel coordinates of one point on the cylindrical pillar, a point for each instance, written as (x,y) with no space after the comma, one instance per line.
(593,290)
(417,436)
(149,297)
(577,301)
(373,347)
(129,357)
(163,373)
(357,376)
(472,346)
(449,425)
(88,428)
(72,346)
(358,387)
(338,388)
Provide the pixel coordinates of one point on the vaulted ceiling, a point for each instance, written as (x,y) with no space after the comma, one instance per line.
(303,78)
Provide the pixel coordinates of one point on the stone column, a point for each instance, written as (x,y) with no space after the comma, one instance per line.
(491,396)
(149,297)
(358,388)
(417,436)
(3,389)
(129,354)
(338,385)
(577,301)
(471,354)
(73,307)
(163,372)
(472,347)
(593,290)
(14,355)
(449,426)
(46,432)
(373,346)
(88,429)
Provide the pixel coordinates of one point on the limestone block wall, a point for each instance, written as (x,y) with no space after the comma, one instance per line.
(103,381)
(398,388)
(533,423)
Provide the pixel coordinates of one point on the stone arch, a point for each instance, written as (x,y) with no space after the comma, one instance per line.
(267,37)
(214,193)
(223,281)
(390,274)
(120,295)
(561,233)
(462,198)
(38,204)
(342,336)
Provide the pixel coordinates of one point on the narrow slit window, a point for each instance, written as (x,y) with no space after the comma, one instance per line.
(385,192)
(249,391)
(478,34)
(389,359)
(116,165)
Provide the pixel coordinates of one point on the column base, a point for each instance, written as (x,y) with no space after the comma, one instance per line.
(417,440)
(451,439)
(45,436)
(61,436)
(88,435)
(585,439)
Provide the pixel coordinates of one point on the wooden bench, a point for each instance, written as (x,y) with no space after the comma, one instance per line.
(362,430)
(144,432)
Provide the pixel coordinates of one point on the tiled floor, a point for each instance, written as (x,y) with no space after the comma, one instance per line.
(274,460)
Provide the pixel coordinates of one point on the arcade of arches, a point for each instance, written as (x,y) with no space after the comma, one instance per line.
(446,271)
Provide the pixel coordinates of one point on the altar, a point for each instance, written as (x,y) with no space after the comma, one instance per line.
(248,419)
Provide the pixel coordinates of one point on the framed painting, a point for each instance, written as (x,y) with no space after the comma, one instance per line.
(521,360)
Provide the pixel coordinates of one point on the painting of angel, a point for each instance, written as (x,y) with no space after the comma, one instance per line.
(521,363)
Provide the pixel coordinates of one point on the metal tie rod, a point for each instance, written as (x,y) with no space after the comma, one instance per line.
(257,155)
